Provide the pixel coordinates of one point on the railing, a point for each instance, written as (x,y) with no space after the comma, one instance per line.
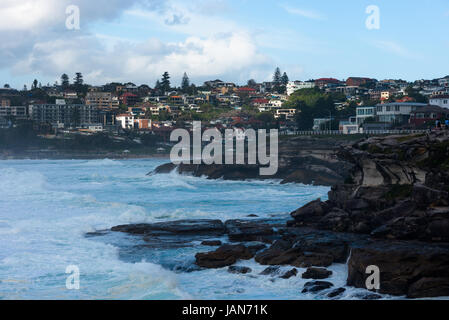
(338,132)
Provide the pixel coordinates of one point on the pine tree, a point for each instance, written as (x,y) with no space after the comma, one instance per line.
(78,81)
(34,84)
(277,76)
(65,81)
(185,84)
(284,79)
(165,82)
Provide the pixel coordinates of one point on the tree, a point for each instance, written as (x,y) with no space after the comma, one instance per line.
(34,84)
(65,81)
(284,79)
(277,76)
(251,83)
(78,81)
(165,82)
(25,87)
(185,84)
(6,86)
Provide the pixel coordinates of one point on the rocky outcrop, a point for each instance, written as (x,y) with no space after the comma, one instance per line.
(224,256)
(196,227)
(406,268)
(308,160)
(398,189)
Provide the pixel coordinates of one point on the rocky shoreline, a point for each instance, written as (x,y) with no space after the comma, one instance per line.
(307,160)
(391,212)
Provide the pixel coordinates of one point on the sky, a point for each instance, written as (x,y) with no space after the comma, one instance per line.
(232,40)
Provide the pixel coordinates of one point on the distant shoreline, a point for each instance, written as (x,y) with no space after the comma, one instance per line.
(79,156)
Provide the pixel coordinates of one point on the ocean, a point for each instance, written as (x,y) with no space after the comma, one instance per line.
(48,206)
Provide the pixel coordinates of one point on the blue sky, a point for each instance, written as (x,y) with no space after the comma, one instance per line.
(137,40)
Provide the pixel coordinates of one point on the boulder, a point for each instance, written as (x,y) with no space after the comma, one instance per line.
(316,273)
(239,270)
(270,271)
(335,293)
(289,274)
(316,286)
(224,256)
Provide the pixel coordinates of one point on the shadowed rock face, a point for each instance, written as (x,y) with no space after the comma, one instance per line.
(397,190)
(302,160)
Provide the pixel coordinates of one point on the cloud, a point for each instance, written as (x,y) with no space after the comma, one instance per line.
(40,44)
(395,48)
(310,14)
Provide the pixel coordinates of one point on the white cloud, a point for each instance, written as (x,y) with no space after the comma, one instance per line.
(395,48)
(310,14)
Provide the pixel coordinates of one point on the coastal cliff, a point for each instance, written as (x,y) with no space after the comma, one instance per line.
(397,194)
(391,211)
(307,160)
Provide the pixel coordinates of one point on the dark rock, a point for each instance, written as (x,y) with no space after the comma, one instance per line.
(252,216)
(336,292)
(224,256)
(310,259)
(270,271)
(240,270)
(277,254)
(255,248)
(244,230)
(289,274)
(197,227)
(311,212)
(316,273)
(367,296)
(316,286)
(429,287)
(211,243)
(401,264)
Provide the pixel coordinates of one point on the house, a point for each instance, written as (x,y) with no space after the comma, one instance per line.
(126,121)
(363,113)
(293,86)
(288,114)
(396,112)
(324,82)
(318,123)
(440,100)
(428,113)
(349,127)
(129,99)
(357,82)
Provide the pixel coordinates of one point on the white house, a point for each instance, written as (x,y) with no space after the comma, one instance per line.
(440,100)
(363,113)
(396,112)
(293,86)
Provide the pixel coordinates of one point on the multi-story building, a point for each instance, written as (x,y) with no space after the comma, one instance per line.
(441,100)
(428,114)
(396,112)
(63,115)
(17,112)
(357,81)
(363,113)
(288,114)
(102,100)
(293,86)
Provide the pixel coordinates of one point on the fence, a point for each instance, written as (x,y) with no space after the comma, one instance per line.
(340,133)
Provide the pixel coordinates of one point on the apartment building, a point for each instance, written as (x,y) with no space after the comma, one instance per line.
(102,100)
(64,115)
(396,112)
(363,113)
(17,112)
